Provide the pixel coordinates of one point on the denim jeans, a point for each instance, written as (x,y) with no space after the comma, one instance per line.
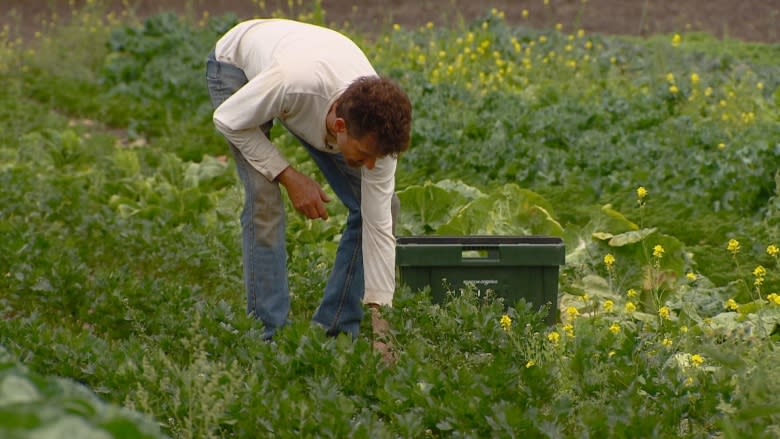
(263,231)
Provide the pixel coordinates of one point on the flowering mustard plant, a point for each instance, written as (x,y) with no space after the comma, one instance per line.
(506,322)
(733,247)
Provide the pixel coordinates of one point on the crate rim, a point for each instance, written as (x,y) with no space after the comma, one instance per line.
(477,239)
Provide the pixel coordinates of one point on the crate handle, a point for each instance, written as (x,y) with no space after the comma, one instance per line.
(479,252)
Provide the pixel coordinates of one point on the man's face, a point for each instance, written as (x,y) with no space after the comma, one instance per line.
(356,152)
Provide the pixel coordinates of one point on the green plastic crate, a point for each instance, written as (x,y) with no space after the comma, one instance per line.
(513,267)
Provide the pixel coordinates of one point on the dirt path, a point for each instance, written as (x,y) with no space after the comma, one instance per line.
(750,20)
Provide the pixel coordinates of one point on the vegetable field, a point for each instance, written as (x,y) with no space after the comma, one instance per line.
(657,161)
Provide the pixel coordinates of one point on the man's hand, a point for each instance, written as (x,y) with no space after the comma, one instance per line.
(306,195)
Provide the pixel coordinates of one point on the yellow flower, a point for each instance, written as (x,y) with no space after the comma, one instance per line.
(609,260)
(731,304)
(760,86)
(708,91)
(630,307)
(614,328)
(641,192)
(772,250)
(670,78)
(658,251)
(697,360)
(694,78)
(506,322)
(666,342)
(721,145)
(759,271)
(774,298)
(676,39)
(683,329)
(608,304)
(673,89)
(691,276)
(396,27)
(572,312)
(530,363)
(631,293)
(569,329)
(554,337)
(611,354)
(525,13)
(733,246)
(664,312)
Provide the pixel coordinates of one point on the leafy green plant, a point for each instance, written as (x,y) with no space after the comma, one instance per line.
(120,249)
(31,404)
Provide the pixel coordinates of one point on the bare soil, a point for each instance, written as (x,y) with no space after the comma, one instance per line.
(748,20)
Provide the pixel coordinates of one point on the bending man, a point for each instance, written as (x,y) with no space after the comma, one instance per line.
(321,87)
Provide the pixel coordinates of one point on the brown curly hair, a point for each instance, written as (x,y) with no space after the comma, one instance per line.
(375,105)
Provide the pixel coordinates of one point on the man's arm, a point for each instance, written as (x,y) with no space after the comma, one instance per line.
(240,116)
(378,186)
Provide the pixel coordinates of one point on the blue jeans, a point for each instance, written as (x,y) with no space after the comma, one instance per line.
(263,231)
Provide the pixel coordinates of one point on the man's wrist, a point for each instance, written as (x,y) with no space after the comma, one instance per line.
(283,177)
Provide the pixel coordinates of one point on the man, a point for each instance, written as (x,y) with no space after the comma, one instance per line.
(354,123)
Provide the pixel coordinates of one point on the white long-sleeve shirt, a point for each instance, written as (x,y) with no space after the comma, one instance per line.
(296,71)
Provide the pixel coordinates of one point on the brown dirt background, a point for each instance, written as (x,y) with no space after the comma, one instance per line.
(747,20)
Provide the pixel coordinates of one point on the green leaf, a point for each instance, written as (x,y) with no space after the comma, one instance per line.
(69,426)
(426,207)
(15,389)
(630,237)
(509,211)
(468,192)
(208,169)
(126,161)
(616,220)
(602,235)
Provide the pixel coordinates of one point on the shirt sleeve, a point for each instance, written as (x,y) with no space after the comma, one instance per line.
(240,116)
(377,189)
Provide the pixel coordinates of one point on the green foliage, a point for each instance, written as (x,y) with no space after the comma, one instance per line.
(454,208)
(36,406)
(120,250)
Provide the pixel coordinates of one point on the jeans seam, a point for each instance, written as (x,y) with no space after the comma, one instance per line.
(253,239)
(348,280)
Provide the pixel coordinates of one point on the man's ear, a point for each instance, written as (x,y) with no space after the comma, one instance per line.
(340,125)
